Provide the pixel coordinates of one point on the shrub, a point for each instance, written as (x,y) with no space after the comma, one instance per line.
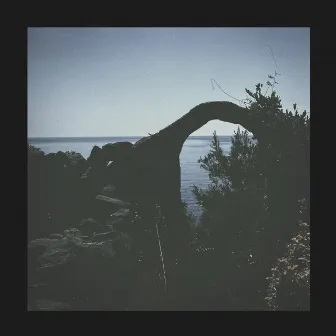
(251,207)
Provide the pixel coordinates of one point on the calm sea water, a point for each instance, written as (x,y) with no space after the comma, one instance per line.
(191,173)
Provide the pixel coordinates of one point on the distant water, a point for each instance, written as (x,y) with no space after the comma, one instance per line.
(191,173)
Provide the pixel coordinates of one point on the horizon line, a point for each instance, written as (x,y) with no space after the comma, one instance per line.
(113,136)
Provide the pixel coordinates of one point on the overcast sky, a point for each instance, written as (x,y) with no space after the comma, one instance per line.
(134,81)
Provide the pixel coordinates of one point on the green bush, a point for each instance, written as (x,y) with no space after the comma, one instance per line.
(289,283)
(252,208)
(32,148)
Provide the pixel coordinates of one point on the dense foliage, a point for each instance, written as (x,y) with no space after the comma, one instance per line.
(254,207)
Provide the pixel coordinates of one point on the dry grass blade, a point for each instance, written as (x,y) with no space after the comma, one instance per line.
(161,256)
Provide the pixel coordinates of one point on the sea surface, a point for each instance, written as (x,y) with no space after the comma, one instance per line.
(191,173)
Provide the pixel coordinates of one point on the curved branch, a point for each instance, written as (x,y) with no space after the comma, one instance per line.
(180,130)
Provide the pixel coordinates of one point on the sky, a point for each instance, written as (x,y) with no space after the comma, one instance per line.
(135,81)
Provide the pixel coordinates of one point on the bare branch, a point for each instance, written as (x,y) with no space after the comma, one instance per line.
(276,65)
(239,100)
(275,73)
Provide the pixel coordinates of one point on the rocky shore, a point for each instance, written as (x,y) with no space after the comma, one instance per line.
(80,216)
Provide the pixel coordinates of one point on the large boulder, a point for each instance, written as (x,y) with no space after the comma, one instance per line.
(95,157)
(108,190)
(76,163)
(88,274)
(89,226)
(109,152)
(113,201)
(109,235)
(117,150)
(109,205)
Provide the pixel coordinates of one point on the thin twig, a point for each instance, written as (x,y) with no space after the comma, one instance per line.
(275,71)
(244,101)
(212,79)
(276,65)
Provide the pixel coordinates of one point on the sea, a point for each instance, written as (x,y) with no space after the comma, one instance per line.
(191,172)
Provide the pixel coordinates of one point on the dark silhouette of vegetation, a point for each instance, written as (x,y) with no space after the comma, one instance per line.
(111,232)
(249,222)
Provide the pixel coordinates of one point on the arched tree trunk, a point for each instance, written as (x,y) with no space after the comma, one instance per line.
(156,163)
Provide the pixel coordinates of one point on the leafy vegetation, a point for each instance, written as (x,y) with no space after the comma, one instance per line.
(32,148)
(254,205)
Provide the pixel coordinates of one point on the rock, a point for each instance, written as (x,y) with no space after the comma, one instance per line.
(120,220)
(55,173)
(95,157)
(111,223)
(51,305)
(73,232)
(121,213)
(109,165)
(99,237)
(108,190)
(95,177)
(56,235)
(117,150)
(113,201)
(74,158)
(89,226)
(118,174)
(105,206)
(62,158)
(75,163)
(86,174)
